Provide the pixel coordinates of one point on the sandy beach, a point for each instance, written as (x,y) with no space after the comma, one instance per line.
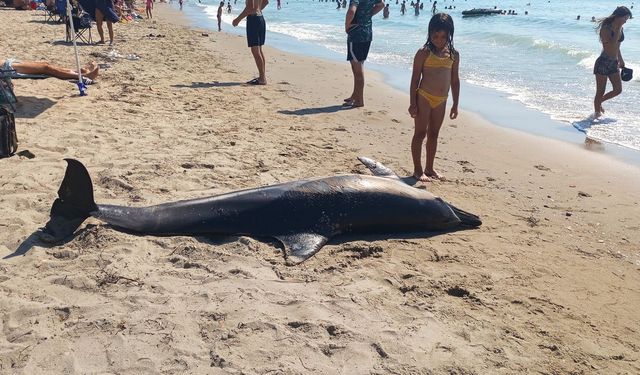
(547,285)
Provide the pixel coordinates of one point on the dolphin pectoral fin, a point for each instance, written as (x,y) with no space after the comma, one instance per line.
(378,169)
(299,247)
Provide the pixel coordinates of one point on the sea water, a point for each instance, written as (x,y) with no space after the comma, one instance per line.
(542,60)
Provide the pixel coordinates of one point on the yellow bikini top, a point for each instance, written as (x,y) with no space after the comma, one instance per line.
(433,61)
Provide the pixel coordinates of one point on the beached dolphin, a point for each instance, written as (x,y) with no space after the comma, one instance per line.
(303,214)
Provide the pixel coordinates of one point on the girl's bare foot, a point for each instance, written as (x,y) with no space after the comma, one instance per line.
(418,175)
(434,175)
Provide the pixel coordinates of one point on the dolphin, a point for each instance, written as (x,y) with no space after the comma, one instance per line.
(303,214)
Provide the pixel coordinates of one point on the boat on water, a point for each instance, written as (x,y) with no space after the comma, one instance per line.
(480,12)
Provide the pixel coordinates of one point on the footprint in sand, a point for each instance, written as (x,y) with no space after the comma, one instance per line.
(541,167)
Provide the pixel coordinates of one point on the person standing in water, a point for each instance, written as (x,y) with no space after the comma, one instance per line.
(220,9)
(256,32)
(435,71)
(608,65)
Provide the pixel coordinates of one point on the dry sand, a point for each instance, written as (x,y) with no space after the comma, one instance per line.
(548,285)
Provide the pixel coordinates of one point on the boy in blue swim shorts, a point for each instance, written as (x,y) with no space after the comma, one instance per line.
(256,30)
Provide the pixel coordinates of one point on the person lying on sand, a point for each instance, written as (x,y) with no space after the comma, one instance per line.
(44,68)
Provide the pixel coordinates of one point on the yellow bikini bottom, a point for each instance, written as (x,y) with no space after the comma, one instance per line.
(433,100)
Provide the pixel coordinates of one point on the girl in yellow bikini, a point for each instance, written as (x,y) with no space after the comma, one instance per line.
(435,70)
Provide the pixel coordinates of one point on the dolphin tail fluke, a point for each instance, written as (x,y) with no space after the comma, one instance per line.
(73,205)
(377,168)
(467,219)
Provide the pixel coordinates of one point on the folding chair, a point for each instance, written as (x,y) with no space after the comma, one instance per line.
(82,28)
(51,13)
(49,10)
(7,96)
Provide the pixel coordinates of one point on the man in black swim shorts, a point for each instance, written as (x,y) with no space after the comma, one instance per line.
(358,27)
(256,30)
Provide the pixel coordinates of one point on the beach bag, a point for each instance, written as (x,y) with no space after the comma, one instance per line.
(8,136)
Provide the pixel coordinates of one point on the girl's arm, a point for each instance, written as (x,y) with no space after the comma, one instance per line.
(418,62)
(620,59)
(455,86)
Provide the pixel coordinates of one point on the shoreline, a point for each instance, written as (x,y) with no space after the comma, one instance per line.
(475,98)
(548,283)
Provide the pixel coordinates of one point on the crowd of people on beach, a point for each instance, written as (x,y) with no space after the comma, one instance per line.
(435,65)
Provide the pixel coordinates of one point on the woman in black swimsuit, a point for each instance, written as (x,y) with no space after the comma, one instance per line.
(610,61)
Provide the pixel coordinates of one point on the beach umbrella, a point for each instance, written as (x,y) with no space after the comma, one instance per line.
(81,85)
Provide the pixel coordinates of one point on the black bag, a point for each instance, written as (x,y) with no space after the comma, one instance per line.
(8,136)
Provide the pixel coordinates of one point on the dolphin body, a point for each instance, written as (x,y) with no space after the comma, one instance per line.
(303,215)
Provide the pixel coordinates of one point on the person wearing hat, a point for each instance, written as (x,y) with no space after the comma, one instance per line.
(610,61)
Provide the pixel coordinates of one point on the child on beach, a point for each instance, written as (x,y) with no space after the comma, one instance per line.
(220,8)
(435,71)
(149,7)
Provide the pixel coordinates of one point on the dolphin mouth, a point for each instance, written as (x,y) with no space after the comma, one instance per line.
(467,219)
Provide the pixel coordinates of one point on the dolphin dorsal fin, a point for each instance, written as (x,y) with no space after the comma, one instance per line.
(378,169)
(299,247)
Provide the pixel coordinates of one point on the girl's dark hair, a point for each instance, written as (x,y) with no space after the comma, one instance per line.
(441,22)
(620,11)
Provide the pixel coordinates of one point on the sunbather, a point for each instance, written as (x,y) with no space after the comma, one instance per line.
(45,69)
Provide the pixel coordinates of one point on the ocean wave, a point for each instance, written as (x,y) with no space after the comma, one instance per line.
(308,31)
(389,58)
(561,105)
(588,62)
(568,50)
(525,41)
